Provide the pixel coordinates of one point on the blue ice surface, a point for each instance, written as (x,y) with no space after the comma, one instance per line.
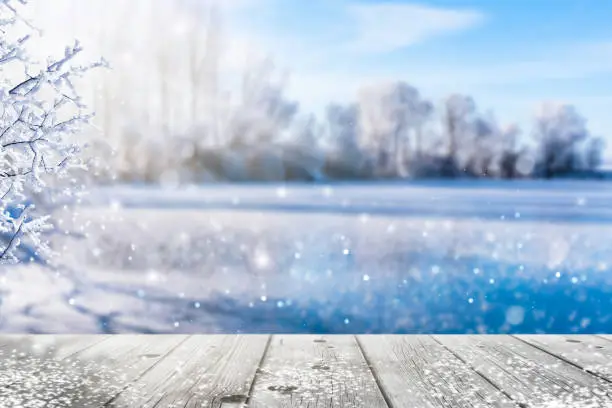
(505,297)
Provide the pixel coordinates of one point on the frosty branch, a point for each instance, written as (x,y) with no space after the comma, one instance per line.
(40,112)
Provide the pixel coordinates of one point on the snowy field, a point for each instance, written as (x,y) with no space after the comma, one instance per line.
(465,257)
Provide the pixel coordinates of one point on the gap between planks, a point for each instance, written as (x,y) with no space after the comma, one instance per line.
(581,351)
(377,379)
(466,366)
(129,384)
(481,375)
(257,371)
(532,376)
(315,371)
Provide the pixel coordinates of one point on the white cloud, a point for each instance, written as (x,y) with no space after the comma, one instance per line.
(385,27)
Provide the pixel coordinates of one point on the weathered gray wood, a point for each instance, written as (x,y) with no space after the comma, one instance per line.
(33,368)
(206,371)
(218,371)
(590,353)
(72,371)
(315,372)
(416,371)
(109,367)
(529,375)
(46,345)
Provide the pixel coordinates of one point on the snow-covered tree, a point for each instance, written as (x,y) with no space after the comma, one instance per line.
(393,117)
(511,154)
(303,155)
(483,147)
(264,111)
(40,112)
(424,111)
(459,111)
(594,153)
(344,123)
(560,132)
(344,153)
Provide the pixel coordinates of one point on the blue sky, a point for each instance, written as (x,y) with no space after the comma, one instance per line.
(510,55)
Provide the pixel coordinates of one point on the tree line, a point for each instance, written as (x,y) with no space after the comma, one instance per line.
(183,125)
(390,132)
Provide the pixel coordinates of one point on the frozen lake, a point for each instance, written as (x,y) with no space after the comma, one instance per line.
(466,257)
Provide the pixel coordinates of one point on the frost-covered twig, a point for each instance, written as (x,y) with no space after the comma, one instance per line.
(39,114)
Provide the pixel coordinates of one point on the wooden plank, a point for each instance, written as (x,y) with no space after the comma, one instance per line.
(527,374)
(331,371)
(99,373)
(416,371)
(33,368)
(589,353)
(315,372)
(47,345)
(212,371)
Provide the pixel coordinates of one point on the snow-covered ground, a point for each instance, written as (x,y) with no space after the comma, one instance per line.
(422,257)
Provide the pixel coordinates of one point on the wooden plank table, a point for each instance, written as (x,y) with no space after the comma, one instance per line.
(231,371)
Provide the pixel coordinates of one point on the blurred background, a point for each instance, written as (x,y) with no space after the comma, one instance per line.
(332,167)
(264,90)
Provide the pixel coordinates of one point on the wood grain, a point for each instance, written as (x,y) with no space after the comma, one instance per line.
(115,364)
(227,371)
(315,372)
(206,371)
(416,371)
(75,371)
(589,353)
(48,346)
(527,374)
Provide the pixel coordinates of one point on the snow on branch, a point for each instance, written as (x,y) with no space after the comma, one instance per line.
(40,112)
